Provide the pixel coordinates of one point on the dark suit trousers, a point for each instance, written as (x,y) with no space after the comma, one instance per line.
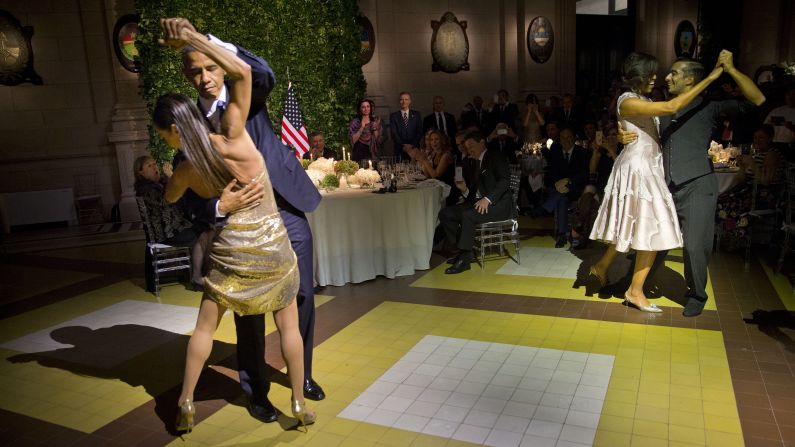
(695,206)
(250,329)
(558,204)
(465,217)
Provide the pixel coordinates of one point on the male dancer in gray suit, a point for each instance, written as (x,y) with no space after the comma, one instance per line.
(295,195)
(684,140)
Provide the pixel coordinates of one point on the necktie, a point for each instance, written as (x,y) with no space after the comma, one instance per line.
(440,120)
(438,123)
(566,157)
(215,118)
(405,119)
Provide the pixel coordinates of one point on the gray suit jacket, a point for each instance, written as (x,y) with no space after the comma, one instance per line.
(685,136)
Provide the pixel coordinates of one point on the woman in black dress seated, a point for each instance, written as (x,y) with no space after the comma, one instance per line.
(167,221)
(437,162)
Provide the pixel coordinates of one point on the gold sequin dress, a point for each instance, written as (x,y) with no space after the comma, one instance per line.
(253,267)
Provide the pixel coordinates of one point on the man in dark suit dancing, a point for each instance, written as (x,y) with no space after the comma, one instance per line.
(405,127)
(567,175)
(486,199)
(684,138)
(295,195)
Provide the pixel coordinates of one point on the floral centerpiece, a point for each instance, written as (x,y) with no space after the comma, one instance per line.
(330,181)
(346,167)
(365,177)
(305,163)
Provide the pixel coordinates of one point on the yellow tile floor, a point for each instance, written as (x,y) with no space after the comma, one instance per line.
(473,280)
(669,386)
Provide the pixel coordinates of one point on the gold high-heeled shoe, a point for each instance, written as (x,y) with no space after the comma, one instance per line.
(185,416)
(650,308)
(300,412)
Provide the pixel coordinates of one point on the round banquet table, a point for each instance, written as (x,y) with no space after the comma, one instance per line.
(728,178)
(358,235)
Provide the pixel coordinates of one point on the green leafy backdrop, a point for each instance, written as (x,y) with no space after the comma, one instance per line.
(318,40)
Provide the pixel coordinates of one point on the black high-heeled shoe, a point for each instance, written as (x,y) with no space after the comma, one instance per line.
(304,417)
(185,417)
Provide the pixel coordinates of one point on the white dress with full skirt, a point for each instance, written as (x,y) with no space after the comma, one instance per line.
(637,211)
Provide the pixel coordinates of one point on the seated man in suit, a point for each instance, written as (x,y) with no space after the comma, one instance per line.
(503,139)
(486,199)
(317,147)
(405,127)
(567,175)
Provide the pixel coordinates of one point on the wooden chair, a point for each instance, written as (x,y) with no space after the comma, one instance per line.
(497,234)
(165,258)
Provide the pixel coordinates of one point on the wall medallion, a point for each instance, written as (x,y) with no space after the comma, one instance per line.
(685,40)
(449,44)
(540,39)
(124,34)
(16,54)
(367,36)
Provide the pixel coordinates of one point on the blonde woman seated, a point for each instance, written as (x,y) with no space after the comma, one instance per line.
(253,267)
(437,162)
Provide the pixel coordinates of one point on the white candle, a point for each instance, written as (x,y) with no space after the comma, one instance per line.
(371,164)
(343,152)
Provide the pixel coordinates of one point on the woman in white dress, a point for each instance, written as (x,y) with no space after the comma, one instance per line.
(637,211)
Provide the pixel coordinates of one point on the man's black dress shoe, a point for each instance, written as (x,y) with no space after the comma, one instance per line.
(561,242)
(461,264)
(312,390)
(451,260)
(693,307)
(265,412)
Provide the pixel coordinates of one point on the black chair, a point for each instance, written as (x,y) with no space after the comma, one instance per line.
(165,258)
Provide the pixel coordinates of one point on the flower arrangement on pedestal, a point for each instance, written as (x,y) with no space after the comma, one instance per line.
(346,167)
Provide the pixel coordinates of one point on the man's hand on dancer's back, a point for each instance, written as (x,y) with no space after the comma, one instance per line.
(626,137)
(176,32)
(231,201)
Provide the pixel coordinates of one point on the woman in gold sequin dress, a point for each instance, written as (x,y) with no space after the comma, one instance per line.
(253,267)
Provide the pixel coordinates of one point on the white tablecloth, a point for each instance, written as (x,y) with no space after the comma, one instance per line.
(359,235)
(728,179)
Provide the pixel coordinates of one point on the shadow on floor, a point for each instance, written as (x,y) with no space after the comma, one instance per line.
(772,323)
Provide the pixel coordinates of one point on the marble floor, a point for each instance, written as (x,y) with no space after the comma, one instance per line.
(506,355)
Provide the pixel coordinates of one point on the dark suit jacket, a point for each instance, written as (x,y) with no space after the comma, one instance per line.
(507,146)
(507,114)
(576,170)
(574,120)
(685,136)
(493,181)
(430,123)
(411,134)
(483,122)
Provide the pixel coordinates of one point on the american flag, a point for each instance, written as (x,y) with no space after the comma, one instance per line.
(293,129)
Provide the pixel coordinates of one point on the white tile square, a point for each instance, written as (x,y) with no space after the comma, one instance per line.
(544,363)
(428,370)
(568,365)
(591,392)
(452,372)
(478,345)
(479,377)
(562,443)
(503,438)
(438,427)
(395,376)
(544,429)
(463,363)
(397,404)
(595,380)
(410,422)
(539,373)
(434,396)
(427,409)
(501,347)
(413,356)
(371,400)
(501,379)
(580,357)
(551,414)
(601,359)
(582,419)
(564,388)
(486,366)
(549,353)
(588,405)
(443,384)
(381,387)
(469,354)
(576,434)
(513,369)
(407,391)
(384,417)
(490,405)
(471,433)
(405,366)
(512,423)
(531,383)
(447,351)
(498,392)
(567,376)
(556,400)
(527,396)
(462,400)
(537,441)
(481,418)
(451,413)
(520,409)
(419,380)
(438,360)
(471,388)
(494,357)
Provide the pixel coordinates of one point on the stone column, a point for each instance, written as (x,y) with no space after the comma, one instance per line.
(130,137)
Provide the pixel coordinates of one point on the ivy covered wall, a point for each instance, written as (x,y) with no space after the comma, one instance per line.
(317,40)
